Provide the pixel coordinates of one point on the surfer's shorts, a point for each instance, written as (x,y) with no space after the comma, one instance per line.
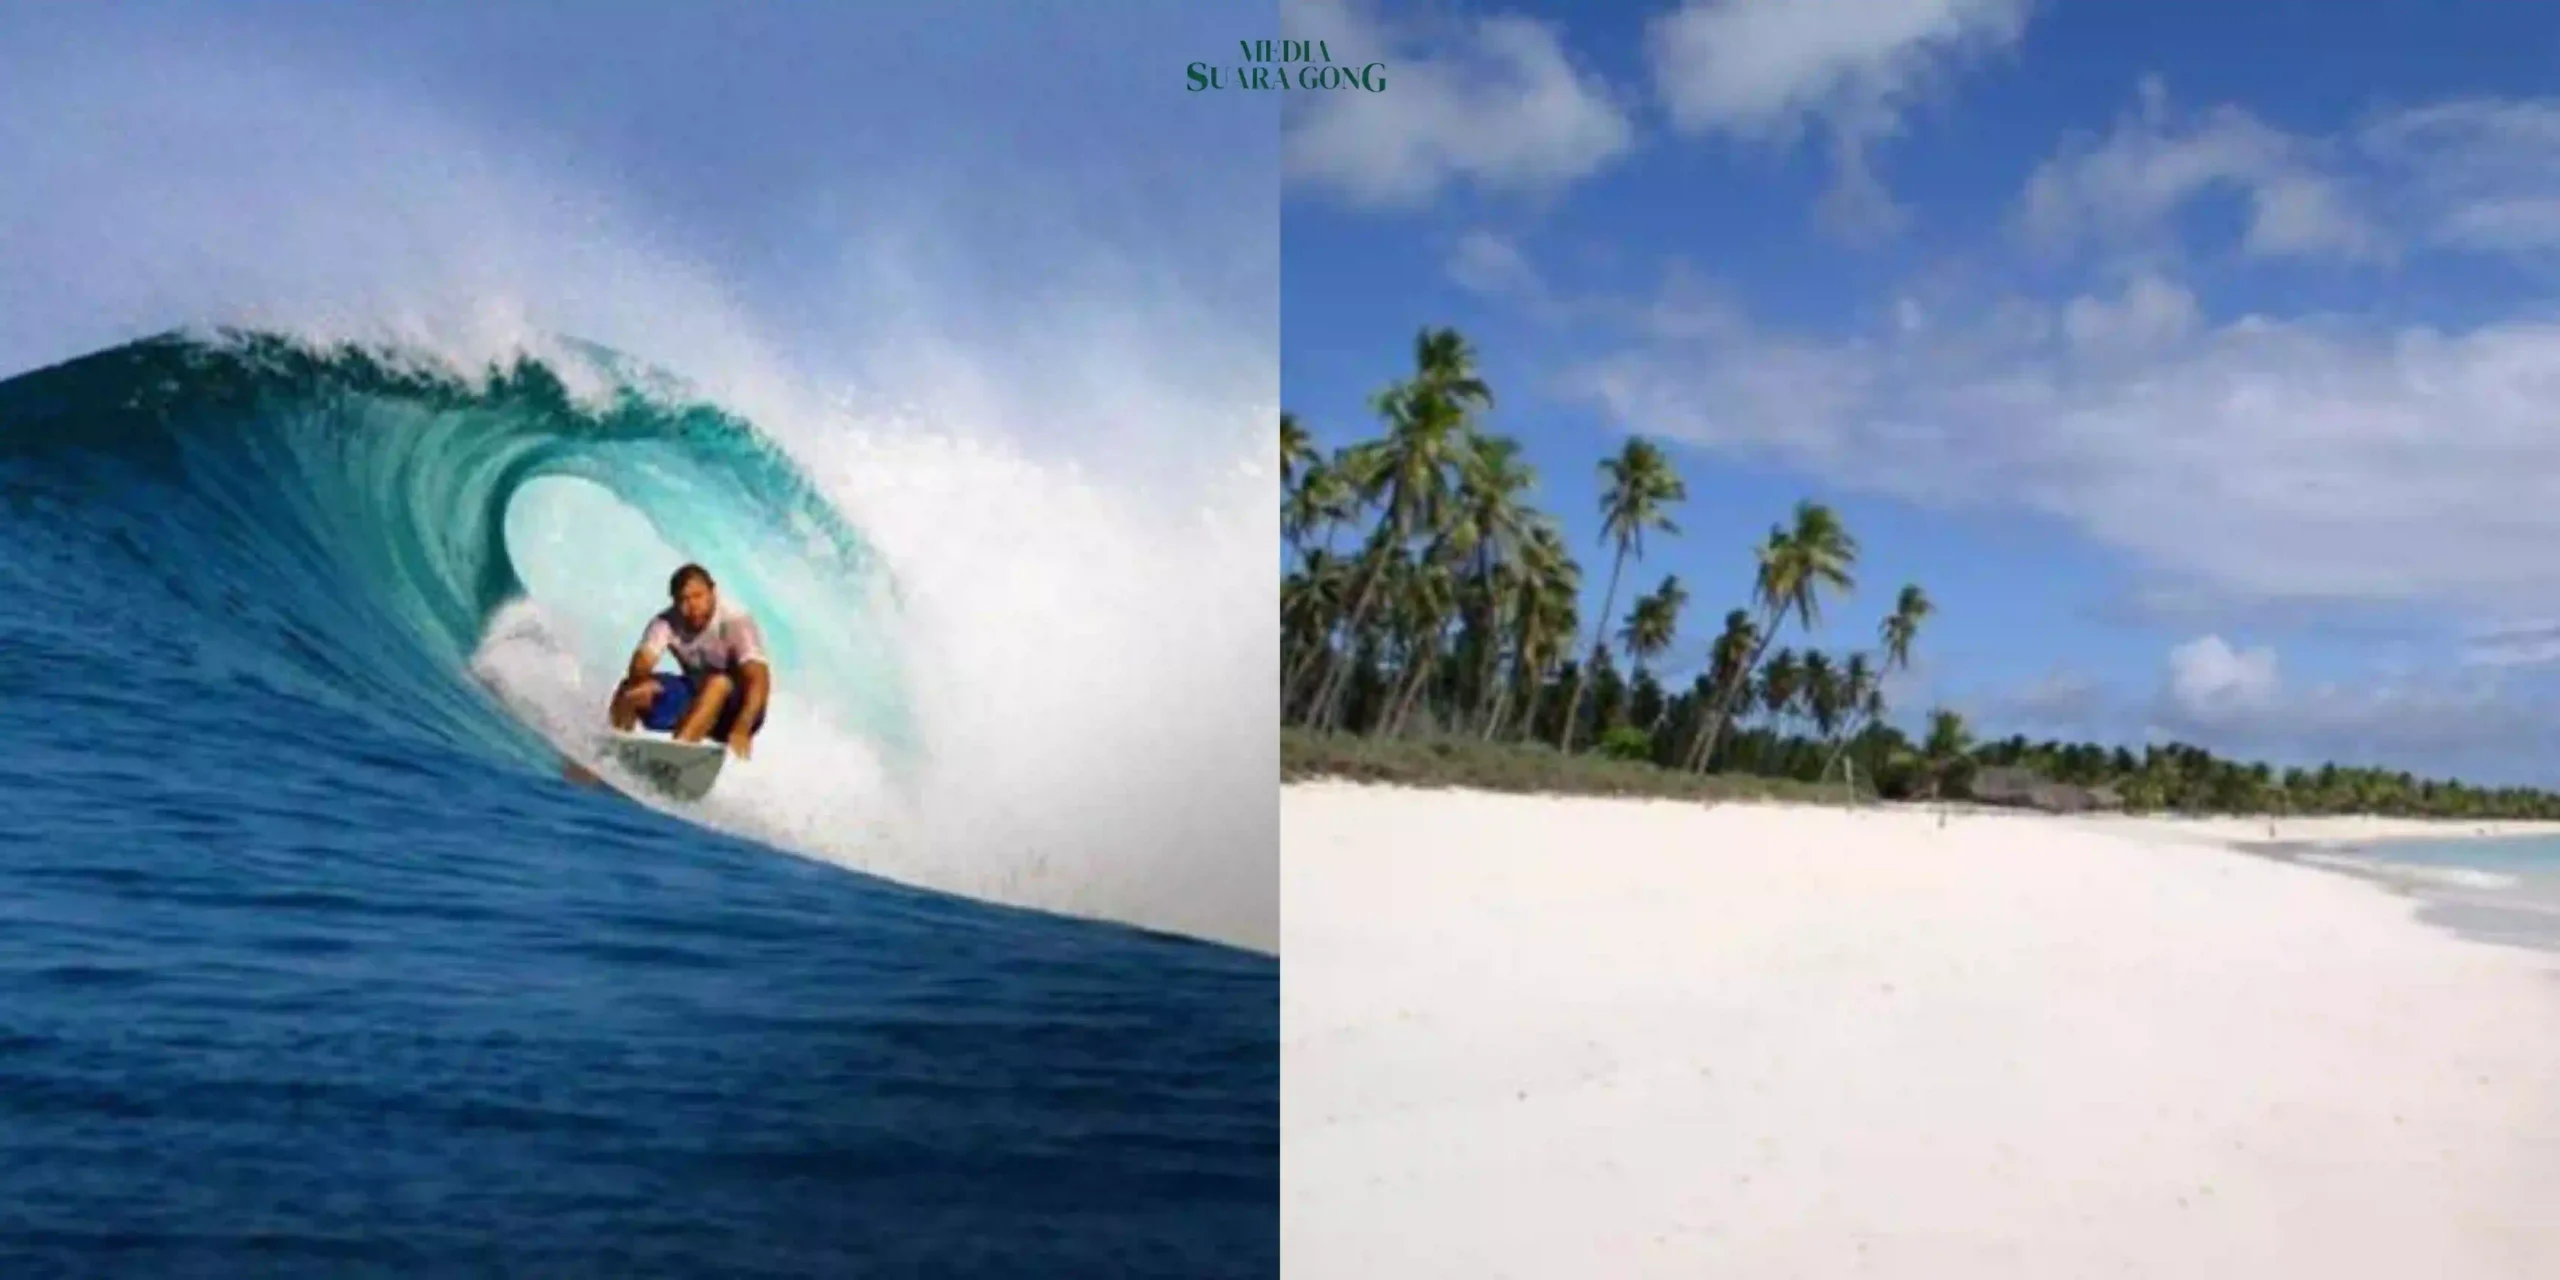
(675,697)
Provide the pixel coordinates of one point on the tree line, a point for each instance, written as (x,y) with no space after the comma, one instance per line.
(1425,594)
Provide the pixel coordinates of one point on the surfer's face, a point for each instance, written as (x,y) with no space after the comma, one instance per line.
(694,603)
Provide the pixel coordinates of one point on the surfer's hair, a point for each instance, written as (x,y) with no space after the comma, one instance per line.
(675,585)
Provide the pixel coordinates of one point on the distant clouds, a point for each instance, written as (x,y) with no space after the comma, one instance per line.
(1768,73)
(1497,103)
(1501,102)
(2122,190)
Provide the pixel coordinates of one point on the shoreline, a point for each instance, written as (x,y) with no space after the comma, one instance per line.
(1568,1035)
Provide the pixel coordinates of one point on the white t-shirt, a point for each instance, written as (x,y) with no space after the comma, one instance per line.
(728,641)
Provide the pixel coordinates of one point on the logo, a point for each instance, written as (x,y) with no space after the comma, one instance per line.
(1268,64)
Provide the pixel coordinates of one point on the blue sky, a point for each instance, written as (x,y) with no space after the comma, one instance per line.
(834,170)
(2202,361)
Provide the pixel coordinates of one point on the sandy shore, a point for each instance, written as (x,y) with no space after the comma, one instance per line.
(1583,1038)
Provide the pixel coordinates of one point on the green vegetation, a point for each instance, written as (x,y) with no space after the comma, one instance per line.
(1431,632)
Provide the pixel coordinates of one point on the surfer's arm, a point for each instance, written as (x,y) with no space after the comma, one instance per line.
(644,659)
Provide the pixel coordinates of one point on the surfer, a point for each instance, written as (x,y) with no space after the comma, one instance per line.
(723,683)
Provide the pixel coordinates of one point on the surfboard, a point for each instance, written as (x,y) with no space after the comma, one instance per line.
(682,770)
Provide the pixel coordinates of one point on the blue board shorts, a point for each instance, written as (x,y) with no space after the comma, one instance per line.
(675,697)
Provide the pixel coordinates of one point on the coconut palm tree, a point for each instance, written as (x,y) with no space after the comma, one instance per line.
(1943,752)
(1910,608)
(1548,620)
(1641,488)
(1781,683)
(1319,502)
(1897,632)
(1796,564)
(1861,701)
(1822,699)
(1311,601)
(1408,476)
(1652,627)
(1492,498)
(1297,449)
(1428,596)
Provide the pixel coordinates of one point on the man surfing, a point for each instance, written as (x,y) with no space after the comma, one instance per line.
(723,681)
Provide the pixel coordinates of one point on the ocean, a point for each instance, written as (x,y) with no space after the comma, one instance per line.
(311,963)
(2504,890)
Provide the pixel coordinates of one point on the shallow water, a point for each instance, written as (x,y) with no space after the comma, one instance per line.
(2504,890)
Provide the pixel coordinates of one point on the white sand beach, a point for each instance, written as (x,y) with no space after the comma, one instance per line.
(1541,1037)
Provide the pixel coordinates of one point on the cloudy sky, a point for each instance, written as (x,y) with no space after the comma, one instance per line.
(843,179)
(2202,361)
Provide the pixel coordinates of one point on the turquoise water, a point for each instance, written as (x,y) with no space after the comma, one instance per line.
(311,965)
(2495,889)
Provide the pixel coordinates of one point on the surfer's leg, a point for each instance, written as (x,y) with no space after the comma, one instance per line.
(708,702)
(667,708)
(728,722)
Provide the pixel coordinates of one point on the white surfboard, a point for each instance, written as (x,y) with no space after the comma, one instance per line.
(682,770)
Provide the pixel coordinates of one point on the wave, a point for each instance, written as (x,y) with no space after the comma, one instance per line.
(464,557)
(2414,873)
(337,520)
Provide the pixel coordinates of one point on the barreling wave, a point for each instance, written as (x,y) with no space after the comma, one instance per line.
(461,554)
(347,526)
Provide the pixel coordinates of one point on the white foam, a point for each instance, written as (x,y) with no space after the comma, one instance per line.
(2416,873)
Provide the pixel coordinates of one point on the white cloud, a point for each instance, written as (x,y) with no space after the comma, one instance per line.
(2480,173)
(2258,460)
(2123,191)
(2475,725)
(1499,104)
(1768,72)
(2153,313)
(2210,682)
(1485,263)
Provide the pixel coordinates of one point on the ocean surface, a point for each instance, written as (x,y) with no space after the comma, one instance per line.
(2495,889)
(311,964)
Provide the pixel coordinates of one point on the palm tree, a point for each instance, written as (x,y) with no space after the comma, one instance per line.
(1781,684)
(1796,564)
(1861,701)
(1407,475)
(1297,449)
(1822,698)
(1944,750)
(1727,659)
(1900,627)
(1652,626)
(1311,600)
(1492,491)
(1430,591)
(1320,500)
(1548,620)
(1642,486)
(1897,632)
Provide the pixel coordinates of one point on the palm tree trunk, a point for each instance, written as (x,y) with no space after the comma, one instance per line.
(1716,720)
(1426,660)
(1324,708)
(1537,698)
(1582,676)
(1502,695)
(1841,748)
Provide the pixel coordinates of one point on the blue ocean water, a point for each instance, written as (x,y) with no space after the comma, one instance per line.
(2502,889)
(310,964)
